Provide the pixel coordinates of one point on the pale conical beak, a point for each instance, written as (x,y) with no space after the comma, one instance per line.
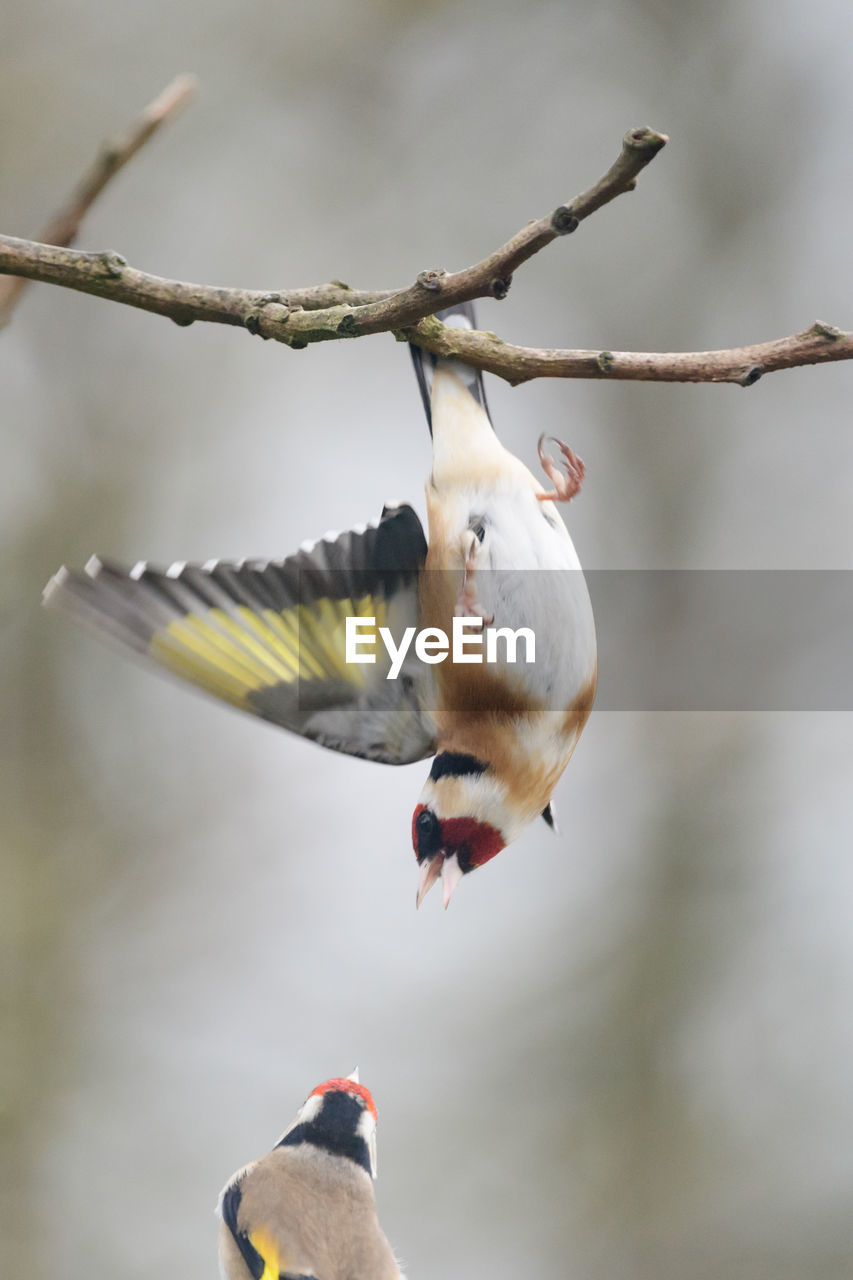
(451,874)
(354,1076)
(430,871)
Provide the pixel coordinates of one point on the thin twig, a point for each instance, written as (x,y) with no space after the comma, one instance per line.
(65,223)
(493,276)
(820,344)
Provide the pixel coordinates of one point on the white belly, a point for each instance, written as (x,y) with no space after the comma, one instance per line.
(527,575)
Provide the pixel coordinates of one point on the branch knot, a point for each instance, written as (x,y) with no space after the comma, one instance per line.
(563,220)
(431,280)
(113,263)
(751,375)
(821,330)
(646,140)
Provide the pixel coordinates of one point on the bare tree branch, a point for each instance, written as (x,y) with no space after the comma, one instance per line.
(332,311)
(336,311)
(299,316)
(113,156)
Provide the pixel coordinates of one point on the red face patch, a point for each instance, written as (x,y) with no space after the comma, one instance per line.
(474,842)
(345,1086)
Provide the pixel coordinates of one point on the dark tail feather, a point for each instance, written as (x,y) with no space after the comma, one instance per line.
(425,362)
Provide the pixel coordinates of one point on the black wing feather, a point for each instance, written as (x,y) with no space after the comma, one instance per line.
(268,637)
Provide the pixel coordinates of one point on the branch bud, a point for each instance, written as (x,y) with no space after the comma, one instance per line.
(563,220)
(431,280)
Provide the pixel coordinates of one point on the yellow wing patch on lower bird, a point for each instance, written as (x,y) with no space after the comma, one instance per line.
(267,1248)
(232,655)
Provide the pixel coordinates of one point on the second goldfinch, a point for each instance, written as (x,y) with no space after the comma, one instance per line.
(272,637)
(307,1209)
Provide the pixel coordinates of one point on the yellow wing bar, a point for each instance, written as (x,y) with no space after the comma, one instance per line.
(232,655)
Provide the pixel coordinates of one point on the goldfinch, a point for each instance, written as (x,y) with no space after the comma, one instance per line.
(348,641)
(307,1209)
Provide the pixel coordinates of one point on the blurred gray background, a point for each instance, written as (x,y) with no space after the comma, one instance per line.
(624,1053)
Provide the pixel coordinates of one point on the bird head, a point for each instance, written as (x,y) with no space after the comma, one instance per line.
(460,822)
(338,1116)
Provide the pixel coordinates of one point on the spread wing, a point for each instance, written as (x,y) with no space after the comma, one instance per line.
(269,637)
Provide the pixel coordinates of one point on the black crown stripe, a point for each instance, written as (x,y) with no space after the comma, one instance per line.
(455,764)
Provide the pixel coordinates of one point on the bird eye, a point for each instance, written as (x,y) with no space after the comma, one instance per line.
(428,832)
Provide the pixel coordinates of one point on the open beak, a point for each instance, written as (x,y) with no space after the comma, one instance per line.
(447,868)
(451,874)
(430,871)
